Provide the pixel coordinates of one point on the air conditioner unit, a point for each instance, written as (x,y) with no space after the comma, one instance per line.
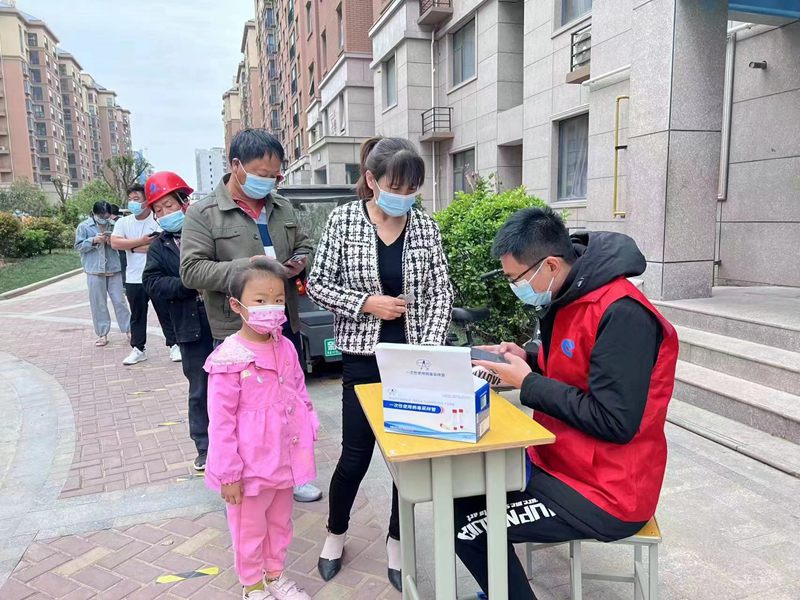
(2,148)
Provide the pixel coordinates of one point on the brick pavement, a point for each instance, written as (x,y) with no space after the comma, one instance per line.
(730,524)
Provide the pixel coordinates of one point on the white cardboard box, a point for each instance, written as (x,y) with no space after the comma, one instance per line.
(430,391)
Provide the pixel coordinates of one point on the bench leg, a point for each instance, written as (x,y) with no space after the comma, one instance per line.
(638,582)
(652,575)
(575,570)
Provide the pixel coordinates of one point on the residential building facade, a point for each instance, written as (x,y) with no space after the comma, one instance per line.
(640,117)
(231,115)
(50,126)
(212,165)
(76,120)
(315,84)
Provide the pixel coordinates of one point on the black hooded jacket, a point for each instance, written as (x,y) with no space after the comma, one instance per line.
(622,360)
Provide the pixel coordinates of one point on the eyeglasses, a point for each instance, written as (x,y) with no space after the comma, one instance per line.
(512,280)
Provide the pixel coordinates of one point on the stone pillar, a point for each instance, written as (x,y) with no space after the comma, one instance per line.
(676,89)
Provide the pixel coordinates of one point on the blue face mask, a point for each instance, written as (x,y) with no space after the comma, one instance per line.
(395,205)
(257,187)
(136,208)
(525,292)
(101,221)
(173,222)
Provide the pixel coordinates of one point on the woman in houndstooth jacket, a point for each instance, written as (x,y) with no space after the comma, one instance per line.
(381,269)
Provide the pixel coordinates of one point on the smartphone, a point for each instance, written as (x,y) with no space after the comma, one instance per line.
(409,298)
(478,354)
(297,258)
(107,233)
(154,234)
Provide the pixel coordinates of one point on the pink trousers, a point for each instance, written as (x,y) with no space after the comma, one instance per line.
(261,530)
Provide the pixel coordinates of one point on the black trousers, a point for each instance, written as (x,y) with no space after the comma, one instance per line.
(194,356)
(138,301)
(529,520)
(358,442)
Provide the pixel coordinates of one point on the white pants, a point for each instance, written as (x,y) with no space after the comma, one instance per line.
(100,288)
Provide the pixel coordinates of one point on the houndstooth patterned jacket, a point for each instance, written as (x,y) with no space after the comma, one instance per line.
(346,273)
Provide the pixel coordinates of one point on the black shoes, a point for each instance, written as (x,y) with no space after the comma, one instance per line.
(396,579)
(329,567)
(200,462)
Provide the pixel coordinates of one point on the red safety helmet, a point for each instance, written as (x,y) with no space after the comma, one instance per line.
(162,184)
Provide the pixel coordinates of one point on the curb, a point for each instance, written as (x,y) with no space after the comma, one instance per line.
(38,285)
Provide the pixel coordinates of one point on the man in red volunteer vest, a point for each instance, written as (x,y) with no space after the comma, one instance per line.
(601,383)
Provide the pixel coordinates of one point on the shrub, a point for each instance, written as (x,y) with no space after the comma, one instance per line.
(26,198)
(10,228)
(31,242)
(468,228)
(54,228)
(78,207)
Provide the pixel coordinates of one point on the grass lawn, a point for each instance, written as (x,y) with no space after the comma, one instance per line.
(18,273)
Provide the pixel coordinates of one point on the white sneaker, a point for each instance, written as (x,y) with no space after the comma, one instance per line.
(136,356)
(285,589)
(175,353)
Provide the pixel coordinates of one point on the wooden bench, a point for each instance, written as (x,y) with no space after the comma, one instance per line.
(644,579)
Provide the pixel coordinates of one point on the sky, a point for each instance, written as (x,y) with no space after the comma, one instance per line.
(169,61)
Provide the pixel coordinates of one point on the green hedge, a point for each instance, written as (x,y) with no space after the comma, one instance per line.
(468,228)
(30,236)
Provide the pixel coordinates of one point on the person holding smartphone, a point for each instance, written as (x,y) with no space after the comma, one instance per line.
(382,271)
(245,220)
(103,272)
(133,234)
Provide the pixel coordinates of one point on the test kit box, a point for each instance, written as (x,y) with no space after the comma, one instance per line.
(430,391)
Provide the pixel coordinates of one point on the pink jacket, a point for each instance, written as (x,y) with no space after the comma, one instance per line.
(262,426)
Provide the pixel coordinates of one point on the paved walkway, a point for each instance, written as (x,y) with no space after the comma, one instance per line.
(97,497)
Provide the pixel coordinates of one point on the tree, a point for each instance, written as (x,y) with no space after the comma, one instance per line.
(80,204)
(63,189)
(121,172)
(25,197)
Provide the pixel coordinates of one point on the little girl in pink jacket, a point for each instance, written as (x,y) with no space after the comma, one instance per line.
(261,432)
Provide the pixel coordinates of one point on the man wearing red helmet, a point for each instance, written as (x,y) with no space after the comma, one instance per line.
(167,196)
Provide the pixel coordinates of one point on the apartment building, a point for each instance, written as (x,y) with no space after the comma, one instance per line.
(231,115)
(211,166)
(91,91)
(76,120)
(115,132)
(315,84)
(640,117)
(249,79)
(50,125)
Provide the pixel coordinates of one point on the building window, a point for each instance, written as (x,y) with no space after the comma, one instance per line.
(324,38)
(464,53)
(574,9)
(309,18)
(33,40)
(297,147)
(38,94)
(573,153)
(340,26)
(270,18)
(34,57)
(352,173)
(41,146)
(294,79)
(390,82)
(44,164)
(463,167)
(340,110)
(311,90)
(295,114)
(38,111)
(36,75)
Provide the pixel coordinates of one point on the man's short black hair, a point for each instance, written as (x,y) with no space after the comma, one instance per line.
(136,187)
(254,144)
(533,234)
(115,210)
(101,208)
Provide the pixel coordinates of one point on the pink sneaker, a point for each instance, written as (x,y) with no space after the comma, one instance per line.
(285,589)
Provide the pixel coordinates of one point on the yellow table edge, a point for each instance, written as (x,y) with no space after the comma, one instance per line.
(509,428)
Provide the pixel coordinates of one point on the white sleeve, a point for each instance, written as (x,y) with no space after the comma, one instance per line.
(120,228)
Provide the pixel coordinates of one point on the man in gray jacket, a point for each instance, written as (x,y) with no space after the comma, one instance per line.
(243,220)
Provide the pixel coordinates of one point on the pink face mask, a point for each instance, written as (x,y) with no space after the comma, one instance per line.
(266,319)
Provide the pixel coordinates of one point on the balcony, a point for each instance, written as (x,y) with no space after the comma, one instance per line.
(581,55)
(437,124)
(434,12)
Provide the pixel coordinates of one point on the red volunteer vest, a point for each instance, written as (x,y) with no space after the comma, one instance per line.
(622,479)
